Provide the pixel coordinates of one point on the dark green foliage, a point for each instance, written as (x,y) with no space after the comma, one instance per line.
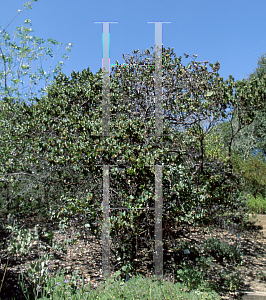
(223,252)
(63,152)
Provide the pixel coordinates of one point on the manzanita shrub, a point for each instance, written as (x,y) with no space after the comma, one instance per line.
(64,151)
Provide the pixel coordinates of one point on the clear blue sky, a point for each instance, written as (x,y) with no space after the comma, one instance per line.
(229,31)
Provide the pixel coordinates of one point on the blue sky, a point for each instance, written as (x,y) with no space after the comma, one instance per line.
(229,31)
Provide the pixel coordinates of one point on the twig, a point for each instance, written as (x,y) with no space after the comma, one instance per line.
(4,275)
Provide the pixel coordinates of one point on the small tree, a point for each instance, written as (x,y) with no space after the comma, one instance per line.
(248,143)
(14,171)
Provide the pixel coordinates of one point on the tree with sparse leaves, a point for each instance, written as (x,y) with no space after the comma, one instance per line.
(260,120)
(249,144)
(17,59)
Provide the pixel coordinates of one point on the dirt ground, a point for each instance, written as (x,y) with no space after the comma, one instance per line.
(257,262)
(261,221)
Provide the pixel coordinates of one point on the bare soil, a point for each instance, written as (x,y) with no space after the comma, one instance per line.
(257,260)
